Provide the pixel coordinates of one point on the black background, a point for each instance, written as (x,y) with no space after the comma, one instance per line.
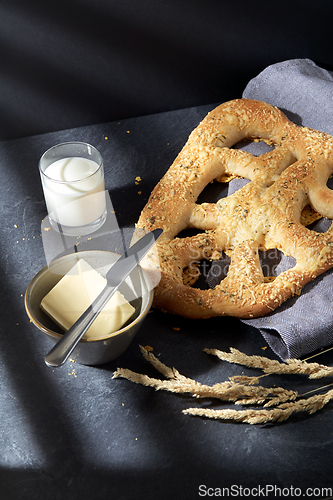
(69,63)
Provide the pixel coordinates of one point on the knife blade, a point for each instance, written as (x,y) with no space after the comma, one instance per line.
(119,271)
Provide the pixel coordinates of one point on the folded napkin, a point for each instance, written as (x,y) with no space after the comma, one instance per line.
(304,92)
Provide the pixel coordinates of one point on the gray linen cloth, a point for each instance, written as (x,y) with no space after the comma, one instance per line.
(304,92)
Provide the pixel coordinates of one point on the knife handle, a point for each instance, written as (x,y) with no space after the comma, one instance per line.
(59,354)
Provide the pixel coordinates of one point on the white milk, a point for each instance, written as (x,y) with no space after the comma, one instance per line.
(74,191)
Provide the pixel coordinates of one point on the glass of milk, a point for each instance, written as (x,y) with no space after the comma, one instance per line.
(73,182)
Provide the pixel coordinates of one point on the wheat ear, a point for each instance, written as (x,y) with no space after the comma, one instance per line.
(225,391)
(240,389)
(270,366)
(262,416)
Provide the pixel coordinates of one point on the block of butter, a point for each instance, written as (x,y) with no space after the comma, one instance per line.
(74,293)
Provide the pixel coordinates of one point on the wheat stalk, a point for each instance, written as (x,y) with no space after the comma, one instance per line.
(241,390)
(225,391)
(262,416)
(271,366)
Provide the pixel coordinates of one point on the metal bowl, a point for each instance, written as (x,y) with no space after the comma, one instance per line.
(137,289)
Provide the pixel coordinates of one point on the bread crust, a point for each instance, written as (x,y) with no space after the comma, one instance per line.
(264,214)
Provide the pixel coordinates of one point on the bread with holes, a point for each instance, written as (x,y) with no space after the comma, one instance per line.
(266,213)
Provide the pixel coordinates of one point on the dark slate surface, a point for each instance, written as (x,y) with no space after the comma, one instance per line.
(74,432)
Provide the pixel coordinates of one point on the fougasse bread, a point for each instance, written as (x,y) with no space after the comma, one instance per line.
(266,213)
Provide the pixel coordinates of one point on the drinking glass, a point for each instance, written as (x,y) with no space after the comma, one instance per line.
(72,177)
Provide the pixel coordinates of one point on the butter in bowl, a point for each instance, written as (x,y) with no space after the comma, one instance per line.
(74,293)
(60,292)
